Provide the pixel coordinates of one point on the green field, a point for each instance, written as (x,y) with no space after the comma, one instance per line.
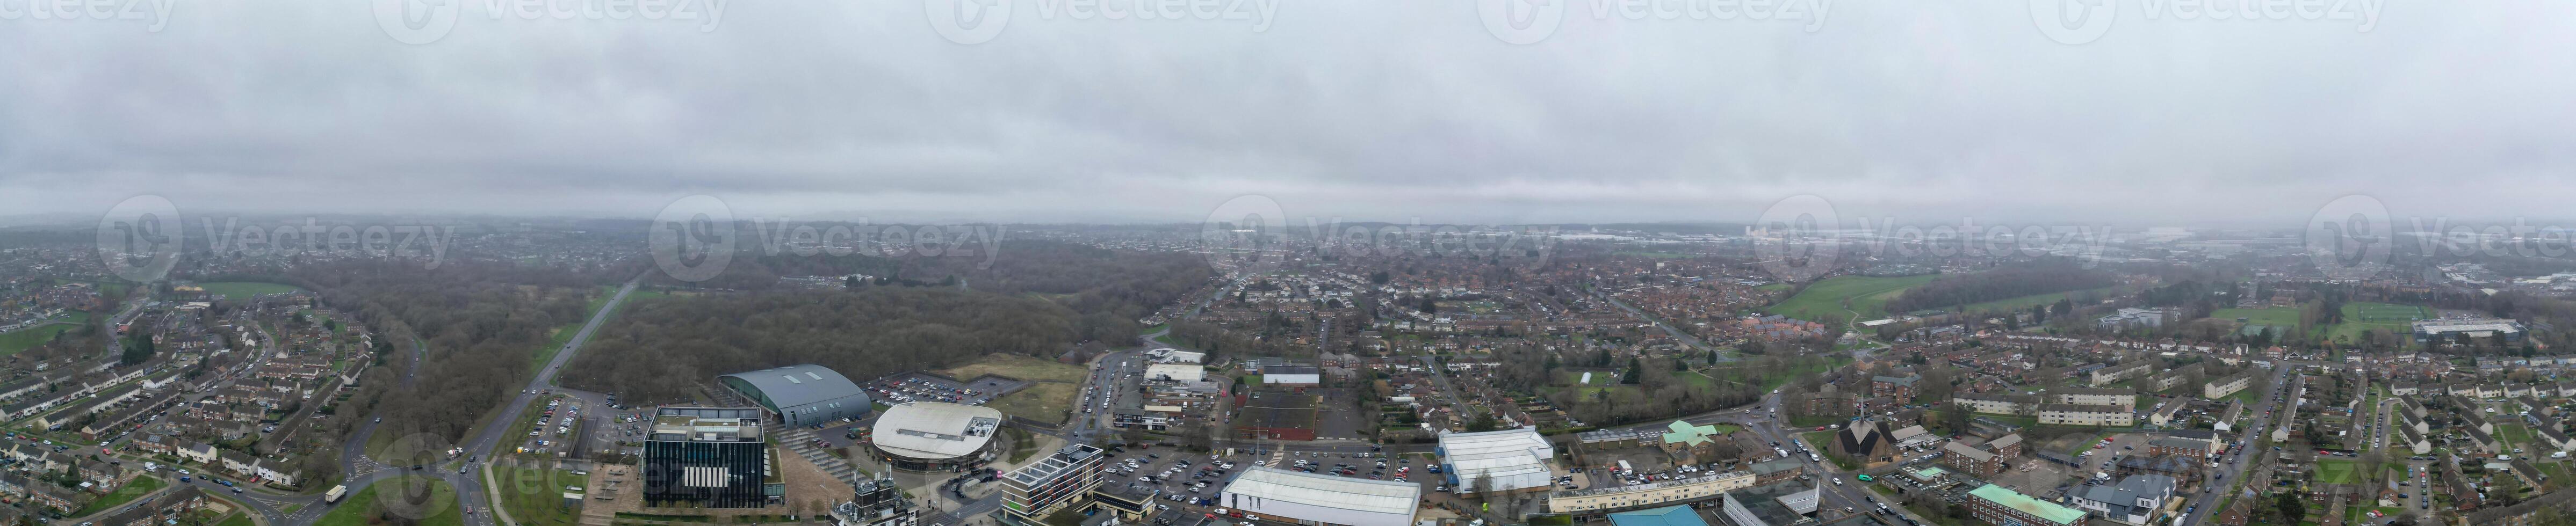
(1826,301)
(1049,397)
(13,342)
(2358,317)
(245,289)
(139,487)
(2338,471)
(237,519)
(2273,316)
(428,497)
(534,496)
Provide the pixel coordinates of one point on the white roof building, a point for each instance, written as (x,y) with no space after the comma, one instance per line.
(936,430)
(1175,372)
(1514,459)
(1309,498)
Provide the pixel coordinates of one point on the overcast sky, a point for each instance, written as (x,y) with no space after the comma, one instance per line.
(1376,109)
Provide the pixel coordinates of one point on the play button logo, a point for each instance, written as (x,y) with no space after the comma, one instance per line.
(1521,22)
(968,21)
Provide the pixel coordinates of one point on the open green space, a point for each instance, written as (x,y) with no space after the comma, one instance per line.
(427,500)
(20,340)
(237,519)
(133,490)
(2339,471)
(2273,316)
(1018,366)
(242,290)
(2363,316)
(1049,397)
(534,496)
(1836,300)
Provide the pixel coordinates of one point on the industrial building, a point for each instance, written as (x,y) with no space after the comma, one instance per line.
(801,395)
(710,457)
(1514,459)
(2430,330)
(923,436)
(2000,505)
(1308,498)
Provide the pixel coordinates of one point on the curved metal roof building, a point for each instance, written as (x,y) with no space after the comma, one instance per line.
(801,394)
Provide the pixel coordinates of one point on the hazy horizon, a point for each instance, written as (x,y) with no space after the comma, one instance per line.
(1599,111)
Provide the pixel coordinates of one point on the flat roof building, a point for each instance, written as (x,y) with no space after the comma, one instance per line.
(2005,507)
(1514,459)
(1308,498)
(709,457)
(1061,479)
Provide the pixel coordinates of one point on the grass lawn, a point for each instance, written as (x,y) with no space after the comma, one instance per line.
(1046,402)
(237,519)
(2339,471)
(16,341)
(138,488)
(242,290)
(1825,301)
(428,497)
(2273,316)
(2389,317)
(1018,366)
(534,496)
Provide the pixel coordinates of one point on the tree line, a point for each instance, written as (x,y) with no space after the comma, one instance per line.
(1999,284)
(660,351)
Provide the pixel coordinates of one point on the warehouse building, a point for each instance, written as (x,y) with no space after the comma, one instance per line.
(923,436)
(801,395)
(1308,498)
(1514,460)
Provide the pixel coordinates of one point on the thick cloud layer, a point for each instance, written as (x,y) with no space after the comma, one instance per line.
(1358,109)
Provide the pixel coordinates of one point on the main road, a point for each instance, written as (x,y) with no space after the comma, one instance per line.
(470,491)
